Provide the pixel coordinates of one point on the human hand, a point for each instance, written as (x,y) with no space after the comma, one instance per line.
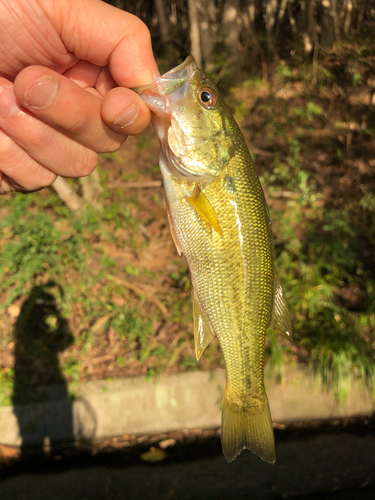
(66,70)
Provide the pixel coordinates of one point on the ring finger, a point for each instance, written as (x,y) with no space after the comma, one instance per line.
(42,143)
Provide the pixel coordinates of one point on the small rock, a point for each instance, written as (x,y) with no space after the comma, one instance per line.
(8,451)
(166,443)
(14,310)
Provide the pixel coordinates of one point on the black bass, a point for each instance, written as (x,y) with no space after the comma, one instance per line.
(219,221)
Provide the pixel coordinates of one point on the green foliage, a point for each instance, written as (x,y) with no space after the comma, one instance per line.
(71,369)
(368,202)
(313,267)
(136,331)
(121,361)
(143,142)
(133,271)
(284,70)
(33,248)
(6,387)
(190,363)
(310,112)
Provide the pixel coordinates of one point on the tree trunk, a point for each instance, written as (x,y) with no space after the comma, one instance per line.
(208,27)
(271,9)
(348,16)
(195,43)
(229,25)
(162,18)
(327,25)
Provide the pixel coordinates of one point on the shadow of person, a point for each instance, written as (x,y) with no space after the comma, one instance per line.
(40,334)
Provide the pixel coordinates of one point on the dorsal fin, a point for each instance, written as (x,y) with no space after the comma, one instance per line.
(280,320)
(202,332)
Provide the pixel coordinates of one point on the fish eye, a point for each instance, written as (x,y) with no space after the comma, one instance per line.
(207,97)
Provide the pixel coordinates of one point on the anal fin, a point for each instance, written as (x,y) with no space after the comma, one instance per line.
(202,332)
(280,320)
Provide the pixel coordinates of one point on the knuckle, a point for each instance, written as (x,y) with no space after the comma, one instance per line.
(77,125)
(7,147)
(138,30)
(40,179)
(87,164)
(112,144)
(143,30)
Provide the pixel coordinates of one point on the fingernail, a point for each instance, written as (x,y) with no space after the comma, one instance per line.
(8,101)
(127,117)
(41,93)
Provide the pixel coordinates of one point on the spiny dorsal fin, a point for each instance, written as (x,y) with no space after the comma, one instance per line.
(201,204)
(280,320)
(202,332)
(173,232)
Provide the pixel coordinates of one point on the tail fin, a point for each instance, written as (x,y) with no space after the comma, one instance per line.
(249,428)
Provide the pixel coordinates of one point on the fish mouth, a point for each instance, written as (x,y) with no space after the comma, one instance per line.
(176,81)
(173,79)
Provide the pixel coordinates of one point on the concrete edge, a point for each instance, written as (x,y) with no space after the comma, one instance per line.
(104,409)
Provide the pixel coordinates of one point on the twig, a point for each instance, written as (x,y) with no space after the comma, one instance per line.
(282,194)
(91,188)
(224,68)
(261,152)
(140,184)
(68,195)
(139,291)
(315,59)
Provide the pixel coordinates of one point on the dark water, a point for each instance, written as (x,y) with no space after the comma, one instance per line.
(325,462)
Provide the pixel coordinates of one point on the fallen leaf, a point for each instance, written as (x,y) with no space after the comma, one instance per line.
(153,455)
(98,326)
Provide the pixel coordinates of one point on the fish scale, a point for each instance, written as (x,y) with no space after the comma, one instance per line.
(219,222)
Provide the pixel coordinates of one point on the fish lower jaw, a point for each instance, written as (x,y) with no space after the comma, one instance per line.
(161,125)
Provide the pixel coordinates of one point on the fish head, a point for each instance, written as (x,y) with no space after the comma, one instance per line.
(192,121)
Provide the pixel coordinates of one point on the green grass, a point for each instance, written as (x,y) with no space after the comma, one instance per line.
(322,251)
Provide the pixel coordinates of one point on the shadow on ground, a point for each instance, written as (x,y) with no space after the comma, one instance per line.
(40,334)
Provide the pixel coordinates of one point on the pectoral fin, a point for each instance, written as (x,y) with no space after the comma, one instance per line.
(201,204)
(173,232)
(280,321)
(202,332)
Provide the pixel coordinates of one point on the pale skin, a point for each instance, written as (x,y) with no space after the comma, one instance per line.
(67,68)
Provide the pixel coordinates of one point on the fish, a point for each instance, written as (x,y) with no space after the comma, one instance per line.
(219,221)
